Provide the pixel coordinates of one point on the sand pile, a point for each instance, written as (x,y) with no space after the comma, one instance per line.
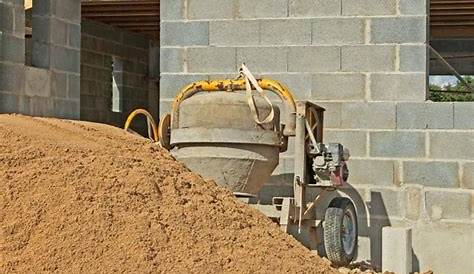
(82,197)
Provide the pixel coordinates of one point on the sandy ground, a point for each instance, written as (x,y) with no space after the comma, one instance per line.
(78,197)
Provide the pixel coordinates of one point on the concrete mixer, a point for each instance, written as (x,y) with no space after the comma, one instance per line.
(230,132)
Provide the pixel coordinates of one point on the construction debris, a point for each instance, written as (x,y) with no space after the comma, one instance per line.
(83,197)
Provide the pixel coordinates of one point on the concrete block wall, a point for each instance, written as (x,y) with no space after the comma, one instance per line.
(105,51)
(12,57)
(50,87)
(56,48)
(366,62)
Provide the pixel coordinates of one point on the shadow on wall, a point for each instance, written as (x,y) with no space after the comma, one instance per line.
(372,215)
(378,219)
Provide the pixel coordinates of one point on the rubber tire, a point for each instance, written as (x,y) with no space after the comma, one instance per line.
(332,233)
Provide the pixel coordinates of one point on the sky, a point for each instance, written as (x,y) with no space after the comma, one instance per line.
(442,80)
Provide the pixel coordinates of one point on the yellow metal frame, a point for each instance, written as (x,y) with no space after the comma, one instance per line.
(236,85)
(150,120)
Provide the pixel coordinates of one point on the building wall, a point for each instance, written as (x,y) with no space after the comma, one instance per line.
(50,86)
(105,47)
(364,60)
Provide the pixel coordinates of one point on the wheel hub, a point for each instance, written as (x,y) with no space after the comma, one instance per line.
(348,232)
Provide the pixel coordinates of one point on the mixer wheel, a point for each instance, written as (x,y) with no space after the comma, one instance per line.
(340,232)
(164,131)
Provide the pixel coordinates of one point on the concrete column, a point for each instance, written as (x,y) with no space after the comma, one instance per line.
(154,74)
(56,47)
(12,56)
(396,250)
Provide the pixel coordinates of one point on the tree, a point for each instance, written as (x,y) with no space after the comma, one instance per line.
(451,93)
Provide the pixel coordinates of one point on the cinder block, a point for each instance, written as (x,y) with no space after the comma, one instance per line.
(165,107)
(413,58)
(42,8)
(12,78)
(9,103)
(398,87)
(211,9)
(299,84)
(468,176)
(371,172)
(92,58)
(338,87)
(452,145)
(6,18)
(262,8)
(171,60)
(171,84)
(436,174)
(190,33)
(12,49)
(74,35)
(15,2)
(313,59)
(311,8)
(66,59)
(285,32)
(102,31)
(59,84)
(397,250)
(42,31)
(355,141)
(67,109)
(464,115)
(41,106)
(144,68)
(155,59)
(448,205)
(209,60)
(413,7)
(384,203)
(368,58)
(368,115)
(171,10)
(19,28)
(234,33)
(263,59)
(59,32)
(68,9)
(369,7)
(37,82)
(398,30)
(413,202)
(338,31)
(332,115)
(397,144)
(136,40)
(425,115)
(74,87)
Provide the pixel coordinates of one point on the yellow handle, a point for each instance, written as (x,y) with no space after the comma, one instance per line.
(233,85)
(149,119)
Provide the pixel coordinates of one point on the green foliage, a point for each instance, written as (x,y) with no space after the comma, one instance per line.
(451,93)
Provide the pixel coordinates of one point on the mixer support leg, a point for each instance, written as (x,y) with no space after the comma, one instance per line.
(287,210)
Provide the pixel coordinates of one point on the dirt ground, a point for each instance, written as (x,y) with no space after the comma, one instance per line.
(80,197)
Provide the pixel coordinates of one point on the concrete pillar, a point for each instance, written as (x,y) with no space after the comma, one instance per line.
(396,250)
(56,47)
(154,74)
(12,56)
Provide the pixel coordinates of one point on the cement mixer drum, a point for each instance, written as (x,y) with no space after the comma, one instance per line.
(217,137)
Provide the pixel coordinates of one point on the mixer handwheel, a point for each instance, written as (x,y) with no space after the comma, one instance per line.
(164,131)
